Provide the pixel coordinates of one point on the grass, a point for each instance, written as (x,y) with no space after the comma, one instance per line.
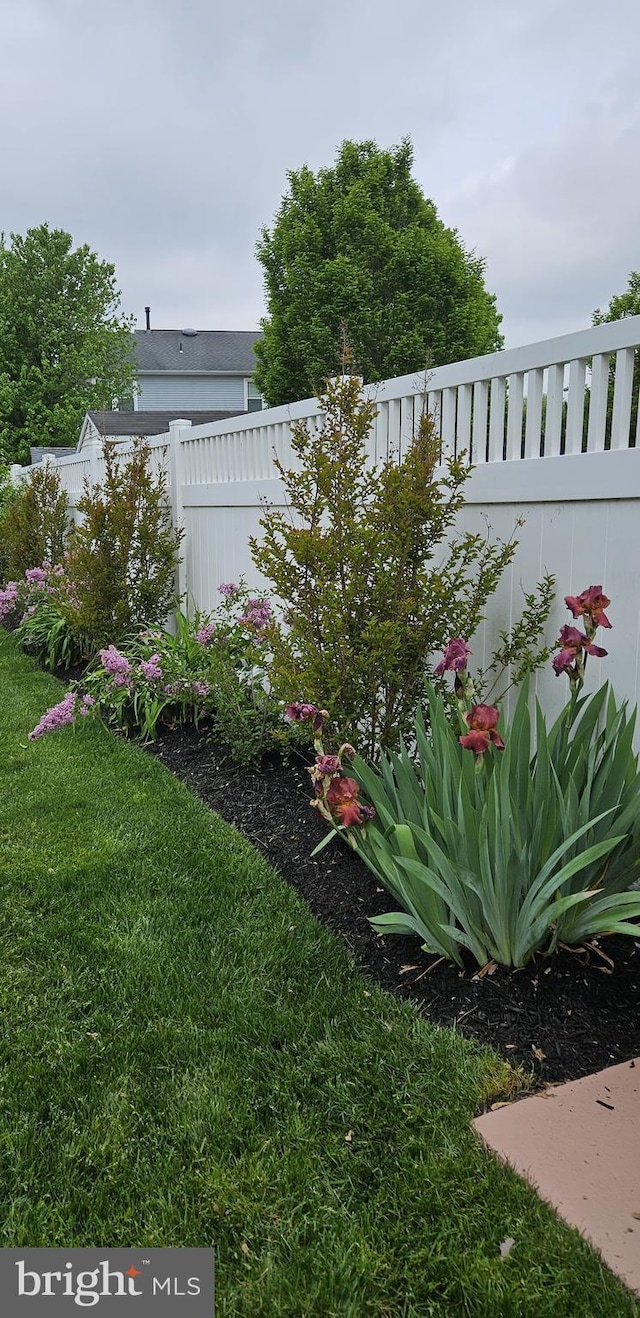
(189,1058)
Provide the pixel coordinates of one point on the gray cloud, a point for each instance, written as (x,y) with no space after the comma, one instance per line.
(161,135)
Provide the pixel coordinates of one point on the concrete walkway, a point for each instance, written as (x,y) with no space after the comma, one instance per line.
(579,1146)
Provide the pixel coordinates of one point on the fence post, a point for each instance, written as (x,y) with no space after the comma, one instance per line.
(95,450)
(177,430)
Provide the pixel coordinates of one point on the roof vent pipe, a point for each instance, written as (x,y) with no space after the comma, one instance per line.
(147,312)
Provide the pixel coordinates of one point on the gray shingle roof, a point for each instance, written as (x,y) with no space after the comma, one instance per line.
(58,452)
(150,423)
(227,351)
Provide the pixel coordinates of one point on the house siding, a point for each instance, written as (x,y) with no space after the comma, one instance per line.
(171,392)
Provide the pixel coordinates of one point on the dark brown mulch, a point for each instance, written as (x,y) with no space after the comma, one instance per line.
(563,1017)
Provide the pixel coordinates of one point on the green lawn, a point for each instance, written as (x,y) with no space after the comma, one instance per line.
(188,1058)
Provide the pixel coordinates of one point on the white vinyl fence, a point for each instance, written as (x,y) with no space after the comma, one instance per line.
(552,433)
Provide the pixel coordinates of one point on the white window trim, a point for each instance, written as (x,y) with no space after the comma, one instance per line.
(247,382)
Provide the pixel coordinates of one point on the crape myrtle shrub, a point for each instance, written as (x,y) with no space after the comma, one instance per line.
(365,601)
(34,519)
(123,555)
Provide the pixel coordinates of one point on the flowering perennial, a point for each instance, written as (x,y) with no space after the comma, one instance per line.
(257,614)
(37,576)
(591,603)
(574,645)
(45,583)
(573,642)
(336,797)
(205,634)
(454,658)
(57,717)
(151,669)
(117,666)
(299,711)
(483,723)
(479,723)
(209,666)
(342,801)
(9,599)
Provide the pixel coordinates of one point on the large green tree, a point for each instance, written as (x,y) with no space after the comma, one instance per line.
(64,345)
(622,304)
(360,245)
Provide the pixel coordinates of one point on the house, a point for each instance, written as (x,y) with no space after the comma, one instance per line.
(125,425)
(194,375)
(187,370)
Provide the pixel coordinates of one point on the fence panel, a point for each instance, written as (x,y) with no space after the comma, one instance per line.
(561,457)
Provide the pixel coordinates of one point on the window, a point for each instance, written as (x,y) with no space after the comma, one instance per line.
(254,398)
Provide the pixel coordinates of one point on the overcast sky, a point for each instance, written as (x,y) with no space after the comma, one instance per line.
(160,133)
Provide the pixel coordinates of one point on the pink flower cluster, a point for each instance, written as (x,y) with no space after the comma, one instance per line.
(37,576)
(117,666)
(151,669)
(257,614)
(57,717)
(60,715)
(182,687)
(205,634)
(25,595)
(9,599)
(228,589)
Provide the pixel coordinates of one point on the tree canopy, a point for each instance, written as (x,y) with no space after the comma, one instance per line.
(64,345)
(622,304)
(359,244)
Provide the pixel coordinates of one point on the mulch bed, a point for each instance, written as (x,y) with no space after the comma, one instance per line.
(561,1017)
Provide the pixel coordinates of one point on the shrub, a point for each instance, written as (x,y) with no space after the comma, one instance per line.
(490,846)
(245,714)
(123,554)
(40,600)
(46,632)
(365,602)
(33,522)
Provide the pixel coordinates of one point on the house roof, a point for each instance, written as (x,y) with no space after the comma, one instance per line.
(59,451)
(150,423)
(223,352)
